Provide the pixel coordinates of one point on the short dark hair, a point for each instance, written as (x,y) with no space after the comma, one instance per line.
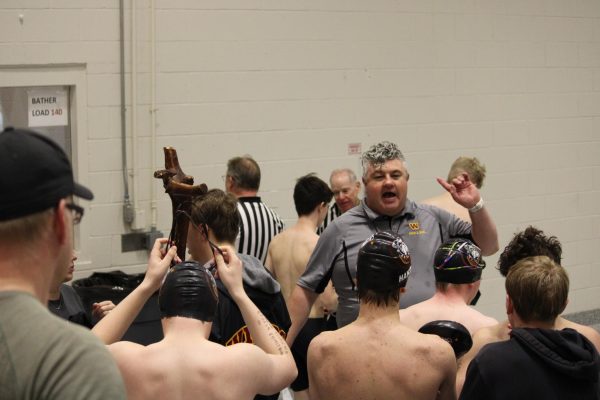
(309,192)
(218,210)
(378,298)
(538,288)
(470,165)
(245,172)
(528,243)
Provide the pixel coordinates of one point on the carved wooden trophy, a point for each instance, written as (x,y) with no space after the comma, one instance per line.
(180,188)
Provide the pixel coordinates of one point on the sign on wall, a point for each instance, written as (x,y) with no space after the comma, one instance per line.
(48,107)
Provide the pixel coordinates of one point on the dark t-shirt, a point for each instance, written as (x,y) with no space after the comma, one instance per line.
(70,307)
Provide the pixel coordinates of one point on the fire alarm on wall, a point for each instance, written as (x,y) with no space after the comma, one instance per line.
(354,148)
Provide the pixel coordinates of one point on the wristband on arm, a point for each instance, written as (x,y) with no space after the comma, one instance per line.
(477,206)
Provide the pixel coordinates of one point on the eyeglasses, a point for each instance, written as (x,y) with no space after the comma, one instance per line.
(77,212)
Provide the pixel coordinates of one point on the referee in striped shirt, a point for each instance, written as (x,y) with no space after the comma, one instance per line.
(258,223)
(345,187)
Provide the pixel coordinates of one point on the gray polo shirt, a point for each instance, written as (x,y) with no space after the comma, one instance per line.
(422,227)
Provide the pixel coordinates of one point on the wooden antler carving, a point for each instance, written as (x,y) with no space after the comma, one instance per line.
(180,188)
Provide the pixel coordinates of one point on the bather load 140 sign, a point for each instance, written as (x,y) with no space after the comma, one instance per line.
(48,107)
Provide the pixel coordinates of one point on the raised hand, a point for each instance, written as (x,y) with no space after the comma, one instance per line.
(159,263)
(462,190)
(229,269)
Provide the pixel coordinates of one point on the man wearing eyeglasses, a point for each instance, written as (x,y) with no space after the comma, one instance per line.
(346,188)
(42,355)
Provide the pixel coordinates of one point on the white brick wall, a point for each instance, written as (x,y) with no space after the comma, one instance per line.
(515,83)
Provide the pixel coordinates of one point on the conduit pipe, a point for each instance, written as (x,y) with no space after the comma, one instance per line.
(153,211)
(137,224)
(128,213)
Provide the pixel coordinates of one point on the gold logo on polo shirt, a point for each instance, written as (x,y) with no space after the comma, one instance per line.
(415,228)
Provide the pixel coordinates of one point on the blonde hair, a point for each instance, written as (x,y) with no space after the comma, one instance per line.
(27,229)
(471,166)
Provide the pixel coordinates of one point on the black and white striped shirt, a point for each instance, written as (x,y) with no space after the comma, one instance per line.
(258,225)
(333,213)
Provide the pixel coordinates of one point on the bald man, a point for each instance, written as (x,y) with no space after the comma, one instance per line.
(346,188)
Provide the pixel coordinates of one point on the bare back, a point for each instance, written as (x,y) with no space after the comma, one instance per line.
(180,371)
(446,202)
(431,310)
(287,259)
(361,361)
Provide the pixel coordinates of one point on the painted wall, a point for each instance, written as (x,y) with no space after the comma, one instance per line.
(293,83)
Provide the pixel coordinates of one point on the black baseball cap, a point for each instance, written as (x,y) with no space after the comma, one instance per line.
(35,174)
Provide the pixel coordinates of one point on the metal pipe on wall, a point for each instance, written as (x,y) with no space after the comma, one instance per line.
(153,211)
(128,213)
(134,134)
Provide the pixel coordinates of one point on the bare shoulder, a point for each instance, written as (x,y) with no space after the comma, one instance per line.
(324,340)
(125,348)
(276,241)
(439,347)
(323,350)
(483,336)
(490,321)
(590,333)
(311,241)
(482,321)
(242,356)
(437,354)
(242,351)
(434,201)
(492,333)
(130,357)
(410,316)
(326,344)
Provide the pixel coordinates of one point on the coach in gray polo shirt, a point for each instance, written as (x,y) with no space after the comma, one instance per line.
(385,207)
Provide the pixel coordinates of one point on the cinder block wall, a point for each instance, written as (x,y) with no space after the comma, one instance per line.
(293,83)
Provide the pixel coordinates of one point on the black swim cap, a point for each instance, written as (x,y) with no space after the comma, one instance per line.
(383,262)
(189,291)
(458,261)
(452,332)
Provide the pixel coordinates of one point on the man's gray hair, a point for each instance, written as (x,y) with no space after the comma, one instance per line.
(351,175)
(379,153)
